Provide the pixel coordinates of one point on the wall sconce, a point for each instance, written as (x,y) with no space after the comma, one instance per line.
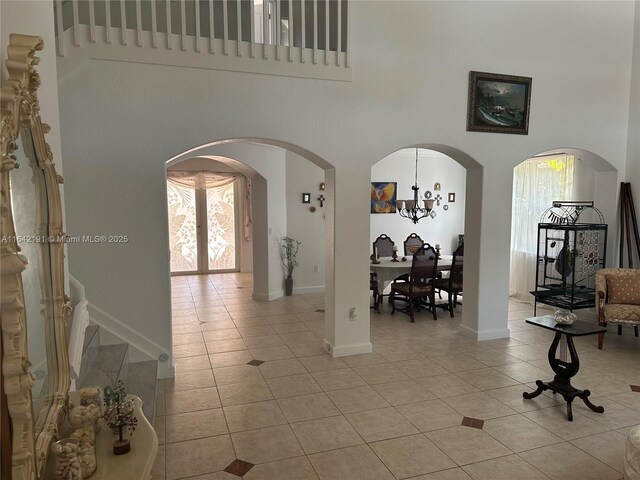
(322,187)
(306,198)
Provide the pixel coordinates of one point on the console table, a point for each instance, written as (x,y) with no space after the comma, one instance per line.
(564,369)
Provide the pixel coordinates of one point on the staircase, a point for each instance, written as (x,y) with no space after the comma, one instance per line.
(106,364)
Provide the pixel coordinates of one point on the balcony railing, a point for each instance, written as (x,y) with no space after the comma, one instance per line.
(290,31)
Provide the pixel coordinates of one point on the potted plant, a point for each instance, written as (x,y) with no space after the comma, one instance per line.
(288,248)
(119,416)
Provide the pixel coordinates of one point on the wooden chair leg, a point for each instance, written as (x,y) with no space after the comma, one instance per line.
(411,301)
(619,329)
(451,304)
(635,329)
(392,298)
(600,339)
(432,299)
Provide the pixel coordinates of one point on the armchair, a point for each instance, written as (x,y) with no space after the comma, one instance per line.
(618,298)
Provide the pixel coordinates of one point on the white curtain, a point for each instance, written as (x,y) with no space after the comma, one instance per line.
(537,182)
(212,180)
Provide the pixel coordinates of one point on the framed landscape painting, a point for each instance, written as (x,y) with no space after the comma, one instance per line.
(383,197)
(498,103)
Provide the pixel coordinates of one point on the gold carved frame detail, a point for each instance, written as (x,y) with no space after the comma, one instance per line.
(31,438)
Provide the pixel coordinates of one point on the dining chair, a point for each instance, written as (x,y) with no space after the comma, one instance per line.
(453,284)
(412,244)
(420,285)
(383,246)
(373,286)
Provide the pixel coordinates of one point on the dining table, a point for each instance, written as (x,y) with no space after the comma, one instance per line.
(388,270)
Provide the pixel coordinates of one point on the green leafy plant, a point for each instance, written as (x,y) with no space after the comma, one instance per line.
(288,248)
(118,413)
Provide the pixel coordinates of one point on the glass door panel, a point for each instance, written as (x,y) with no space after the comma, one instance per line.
(221,228)
(183,228)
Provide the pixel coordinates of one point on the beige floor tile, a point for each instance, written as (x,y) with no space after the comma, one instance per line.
(263,341)
(183,329)
(608,447)
(272,353)
(189,350)
(214,323)
(244,392)
(458,363)
(256,331)
(293,385)
(487,378)
(555,420)
(430,415)
(494,358)
(237,374)
(504,468)
(197,457)
(380,373)
(342,378)
(566,462)
(326,434)
(253,415)
(160,428)
(307,407)
(628,399)
(307,349)
(615,415)
(190,364)
(266,444)
(401,393)
(282,368)
(319,363)
(297,468)
(374,425)
(357,399)
(518,433)
(289,327)
(410,456)
(187,338)
(230,345)
(228,359)
(217,335)
(192,425)
(479,405)
(525,372)
(158,471)
(190,380)
(213,476)
(451,474)
(296,338)
(512,397)
(191,400)
(526,353)
(423,367)
(365,359)
(447,385)
(355,463)
(466,445)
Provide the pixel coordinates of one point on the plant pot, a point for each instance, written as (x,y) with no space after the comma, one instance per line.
(288,286)
(121,447)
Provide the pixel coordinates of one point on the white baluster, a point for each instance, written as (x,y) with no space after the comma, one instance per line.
(76,23)
(315,31)
(238,27)
(139,23)
(197,4)
(339,43)
(290,30)
(347,62)
(303,30)
(212,36)
(277,23)
(154,25)
(60,26)
(92,21)
(168,12)
(326,32)
(252,39)
(183,22)
(265,28)
(123,22)
(225,22)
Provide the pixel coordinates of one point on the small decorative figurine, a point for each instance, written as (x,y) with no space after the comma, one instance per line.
(394,255)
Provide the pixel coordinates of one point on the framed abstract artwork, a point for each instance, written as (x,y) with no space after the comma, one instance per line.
(498,103)
(383,197)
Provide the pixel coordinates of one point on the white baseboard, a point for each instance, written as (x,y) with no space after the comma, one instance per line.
(138,341)
(316,289)
(485,334)
(267,297)
(346,350)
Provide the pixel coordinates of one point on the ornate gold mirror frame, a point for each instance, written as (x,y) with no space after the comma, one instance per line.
(32,434)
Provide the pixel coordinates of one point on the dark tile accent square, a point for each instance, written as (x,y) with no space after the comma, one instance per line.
(321,310)
(239,287)
(472,422)
(635,388)
(238,467)
(255,363)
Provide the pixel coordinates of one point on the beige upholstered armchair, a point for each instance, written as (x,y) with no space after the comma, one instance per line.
(618,298)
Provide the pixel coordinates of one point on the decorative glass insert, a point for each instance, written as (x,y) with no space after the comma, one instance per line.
(221,228)
(183,238)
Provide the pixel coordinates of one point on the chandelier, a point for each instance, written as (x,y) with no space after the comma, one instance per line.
(411,209)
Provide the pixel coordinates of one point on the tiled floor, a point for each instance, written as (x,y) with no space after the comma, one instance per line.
(428,404)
